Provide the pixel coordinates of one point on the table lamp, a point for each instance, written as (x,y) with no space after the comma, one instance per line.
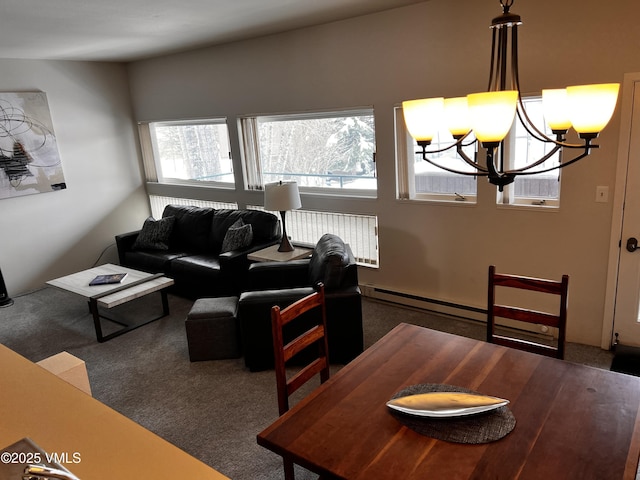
(282,196)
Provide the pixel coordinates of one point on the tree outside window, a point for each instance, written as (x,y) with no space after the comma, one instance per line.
(328,152)
(192,151)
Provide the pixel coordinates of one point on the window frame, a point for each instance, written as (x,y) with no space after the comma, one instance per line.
(248,126)
(152,160)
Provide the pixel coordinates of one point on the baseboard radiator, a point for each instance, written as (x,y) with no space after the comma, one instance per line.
(443,307)
(425,303)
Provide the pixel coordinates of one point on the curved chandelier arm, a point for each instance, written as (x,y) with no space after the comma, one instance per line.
(493,59)
(553,151)
(459,144)
(526,122)
(469,160)
(587,151)
(424,152)
(535,132)
(529,126)
(480,173)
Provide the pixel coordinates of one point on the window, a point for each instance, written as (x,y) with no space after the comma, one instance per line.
(420,180)
(326,152)
(193,152)
(539,189)
(417,179)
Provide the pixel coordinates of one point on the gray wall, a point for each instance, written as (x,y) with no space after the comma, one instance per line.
(435,48)
(47,235)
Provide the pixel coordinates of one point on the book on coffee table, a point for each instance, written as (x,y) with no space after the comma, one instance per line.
(108,279)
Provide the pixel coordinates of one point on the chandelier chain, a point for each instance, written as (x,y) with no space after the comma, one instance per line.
(506,5)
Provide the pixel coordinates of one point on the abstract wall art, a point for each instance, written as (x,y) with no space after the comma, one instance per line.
(29,158)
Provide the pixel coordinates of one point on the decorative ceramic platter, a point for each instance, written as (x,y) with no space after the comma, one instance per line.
(445,404)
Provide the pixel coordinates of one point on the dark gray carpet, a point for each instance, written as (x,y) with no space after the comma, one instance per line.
(213,410)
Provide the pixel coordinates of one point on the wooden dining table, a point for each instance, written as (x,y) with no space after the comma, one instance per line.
(572,421)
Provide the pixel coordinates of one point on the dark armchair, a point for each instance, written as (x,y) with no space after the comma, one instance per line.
(282,283)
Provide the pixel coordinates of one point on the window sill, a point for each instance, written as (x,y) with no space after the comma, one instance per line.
(435,201)
(522,206)
(344,193)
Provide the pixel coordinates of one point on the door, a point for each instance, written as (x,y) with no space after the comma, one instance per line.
(626,230)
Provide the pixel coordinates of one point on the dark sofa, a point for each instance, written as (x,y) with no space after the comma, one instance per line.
(186,245)
(282,283)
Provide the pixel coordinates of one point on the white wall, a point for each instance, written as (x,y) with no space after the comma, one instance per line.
(435,48)
(47,235)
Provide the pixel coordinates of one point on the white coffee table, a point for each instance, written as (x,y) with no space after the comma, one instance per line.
(135,285)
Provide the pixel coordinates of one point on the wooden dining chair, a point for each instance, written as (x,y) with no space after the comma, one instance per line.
(313,335)
(519,314)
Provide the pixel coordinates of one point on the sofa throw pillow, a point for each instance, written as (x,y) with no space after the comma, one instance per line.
(239,235)
(155,234)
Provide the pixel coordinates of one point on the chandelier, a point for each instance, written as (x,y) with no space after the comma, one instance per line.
(490,115)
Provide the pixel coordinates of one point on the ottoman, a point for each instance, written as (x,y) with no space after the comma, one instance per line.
(212,329)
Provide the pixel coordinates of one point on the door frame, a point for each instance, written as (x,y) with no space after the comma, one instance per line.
(617,214)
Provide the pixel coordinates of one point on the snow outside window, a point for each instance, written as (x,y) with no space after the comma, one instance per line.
(192,152)
(330,152)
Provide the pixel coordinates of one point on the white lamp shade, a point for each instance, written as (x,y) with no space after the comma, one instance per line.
(456,114)
(423,117)
(492,114)
(591,106)
(555,106)
(281,196)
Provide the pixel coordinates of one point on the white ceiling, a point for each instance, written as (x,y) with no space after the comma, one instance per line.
(125,30)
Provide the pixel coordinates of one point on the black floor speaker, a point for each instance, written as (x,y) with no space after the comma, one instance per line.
(5,301)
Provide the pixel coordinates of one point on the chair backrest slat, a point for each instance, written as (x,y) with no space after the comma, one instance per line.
(305,340)
(522,315)
(304,375)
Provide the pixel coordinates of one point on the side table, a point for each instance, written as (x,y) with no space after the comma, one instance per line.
(271,254)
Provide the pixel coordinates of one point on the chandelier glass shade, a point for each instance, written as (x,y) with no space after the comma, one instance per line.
(490,115)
